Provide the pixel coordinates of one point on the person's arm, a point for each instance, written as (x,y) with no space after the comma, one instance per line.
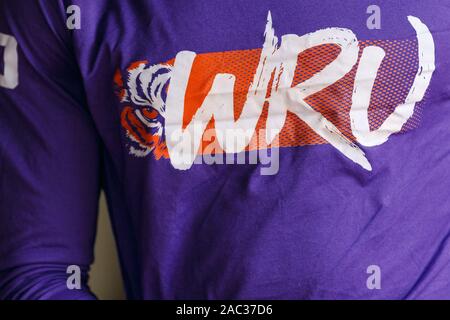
(49,156)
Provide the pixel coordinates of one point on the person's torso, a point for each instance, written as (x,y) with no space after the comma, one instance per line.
(350,99)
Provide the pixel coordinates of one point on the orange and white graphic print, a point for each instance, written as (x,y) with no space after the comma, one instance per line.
(322,87)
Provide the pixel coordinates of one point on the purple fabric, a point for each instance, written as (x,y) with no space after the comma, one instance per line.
(214,231)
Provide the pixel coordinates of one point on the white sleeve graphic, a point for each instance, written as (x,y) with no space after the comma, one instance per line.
(10,77)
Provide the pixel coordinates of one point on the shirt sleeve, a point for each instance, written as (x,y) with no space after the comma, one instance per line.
(49,156)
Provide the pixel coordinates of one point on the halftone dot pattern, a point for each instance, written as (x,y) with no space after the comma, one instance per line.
(394,80)
(329,101)
(392,85)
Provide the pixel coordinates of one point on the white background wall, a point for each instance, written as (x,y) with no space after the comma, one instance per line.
(105,278)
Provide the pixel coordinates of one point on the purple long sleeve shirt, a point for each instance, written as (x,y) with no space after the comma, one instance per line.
(248,149)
